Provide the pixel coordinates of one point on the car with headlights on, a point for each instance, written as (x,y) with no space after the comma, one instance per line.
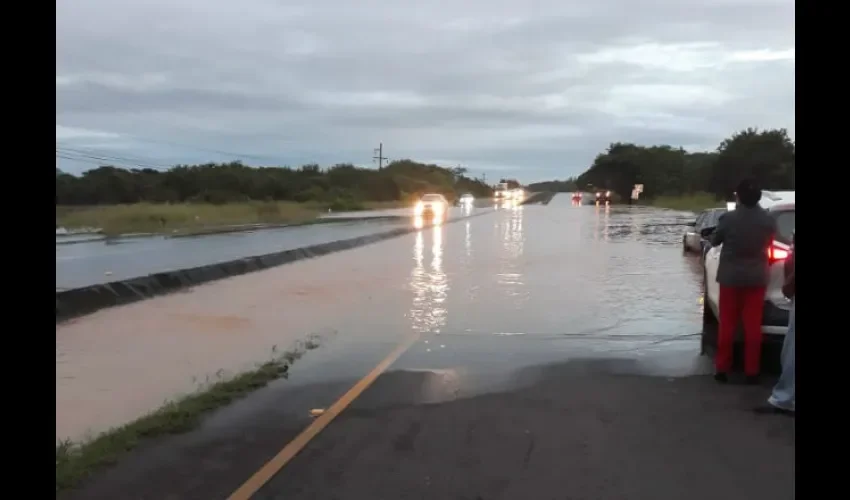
(603,196)
(431,205)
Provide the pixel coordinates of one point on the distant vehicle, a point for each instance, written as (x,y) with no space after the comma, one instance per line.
(776,305)
(510,190)
(577,197)
(603,196)
(510,183)
(466,199)
(693,241)
(431,205)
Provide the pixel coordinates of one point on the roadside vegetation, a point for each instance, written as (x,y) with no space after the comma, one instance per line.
(119,200)
(675,178)
(77,461)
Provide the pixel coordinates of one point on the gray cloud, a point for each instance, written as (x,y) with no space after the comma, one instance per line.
(533,88)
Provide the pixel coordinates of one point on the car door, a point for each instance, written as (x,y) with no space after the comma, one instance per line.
(710,264)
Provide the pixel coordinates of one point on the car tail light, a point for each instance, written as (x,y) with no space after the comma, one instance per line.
(776,253)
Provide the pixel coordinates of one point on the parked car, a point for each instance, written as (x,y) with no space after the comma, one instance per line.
(776,306)
(693,241)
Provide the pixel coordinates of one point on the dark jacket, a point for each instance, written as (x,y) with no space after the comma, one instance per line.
(745,233)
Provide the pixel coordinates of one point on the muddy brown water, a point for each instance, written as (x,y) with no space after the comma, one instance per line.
(600,279)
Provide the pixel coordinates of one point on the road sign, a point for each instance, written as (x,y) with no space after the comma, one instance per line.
(638,189)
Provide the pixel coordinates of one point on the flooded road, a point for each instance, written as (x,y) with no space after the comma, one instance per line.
(536,340)
(539,280)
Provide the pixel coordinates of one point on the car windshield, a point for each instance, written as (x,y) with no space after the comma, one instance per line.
(432,197)
(713,217)
(785,225)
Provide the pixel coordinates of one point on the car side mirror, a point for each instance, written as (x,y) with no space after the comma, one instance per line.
(692,224)
(706,232)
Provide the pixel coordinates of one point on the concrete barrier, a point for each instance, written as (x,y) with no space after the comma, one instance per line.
(81,301)
(542,198)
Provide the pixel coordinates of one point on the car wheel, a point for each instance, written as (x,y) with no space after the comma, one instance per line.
(708,337)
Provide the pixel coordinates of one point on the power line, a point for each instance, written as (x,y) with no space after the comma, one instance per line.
(81,155)
(182,145)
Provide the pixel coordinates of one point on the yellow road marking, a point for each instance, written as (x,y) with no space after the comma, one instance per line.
(284,456)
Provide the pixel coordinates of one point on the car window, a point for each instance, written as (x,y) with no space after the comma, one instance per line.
(698,223)
(717,214)
(785,225)
(711,219)
(432,197)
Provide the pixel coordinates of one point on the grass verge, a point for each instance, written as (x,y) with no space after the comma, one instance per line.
(694,202)
(191,217)
(77,461)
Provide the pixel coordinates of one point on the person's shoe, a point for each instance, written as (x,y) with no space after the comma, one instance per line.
(772,410)
(721,377)
(752,380)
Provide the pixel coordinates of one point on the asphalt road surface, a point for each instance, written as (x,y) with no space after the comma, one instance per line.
(546,353)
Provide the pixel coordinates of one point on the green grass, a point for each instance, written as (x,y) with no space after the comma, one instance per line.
(77,461)
(195,217)
(694,202)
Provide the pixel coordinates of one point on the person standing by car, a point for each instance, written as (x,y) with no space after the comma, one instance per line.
(783,398)
(743,273)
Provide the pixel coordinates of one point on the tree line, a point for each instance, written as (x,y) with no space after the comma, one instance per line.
(342,185)
(766,155)
(566,186)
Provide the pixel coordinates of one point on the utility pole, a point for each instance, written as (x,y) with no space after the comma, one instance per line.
(380,152)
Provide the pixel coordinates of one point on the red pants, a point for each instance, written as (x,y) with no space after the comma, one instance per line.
(745,304)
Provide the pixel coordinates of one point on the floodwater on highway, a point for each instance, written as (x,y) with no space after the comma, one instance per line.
(92,260)
(517,287)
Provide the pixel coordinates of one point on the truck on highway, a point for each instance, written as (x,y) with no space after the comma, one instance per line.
(508,189)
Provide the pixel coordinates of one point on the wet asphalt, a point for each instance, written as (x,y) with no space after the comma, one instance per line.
(556,355)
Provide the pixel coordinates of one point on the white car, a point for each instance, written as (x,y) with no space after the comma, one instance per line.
(431,204)
(466,199)
(781,206)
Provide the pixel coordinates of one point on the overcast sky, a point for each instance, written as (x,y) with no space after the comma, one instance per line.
(531,89)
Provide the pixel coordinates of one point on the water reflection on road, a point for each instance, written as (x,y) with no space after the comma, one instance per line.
(429,283)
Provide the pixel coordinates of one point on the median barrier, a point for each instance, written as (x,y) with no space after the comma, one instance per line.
(543,198)
(86,300)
